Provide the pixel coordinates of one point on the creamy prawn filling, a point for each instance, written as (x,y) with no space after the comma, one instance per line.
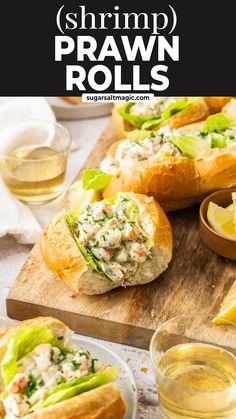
(41,371)
(221,140)
(130,152)
(155,107)
(113,239)
(229,135)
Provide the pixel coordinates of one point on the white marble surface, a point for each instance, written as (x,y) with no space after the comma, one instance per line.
(12,255)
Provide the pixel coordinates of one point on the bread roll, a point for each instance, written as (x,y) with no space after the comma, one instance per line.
(75,100)
(56,326)
(63,257)
(104,402)
(230,110)
(194,113)
(216,103)
(177,182)
(173,182)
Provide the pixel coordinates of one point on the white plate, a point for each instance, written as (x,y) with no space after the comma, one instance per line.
(66,110)
(125,382)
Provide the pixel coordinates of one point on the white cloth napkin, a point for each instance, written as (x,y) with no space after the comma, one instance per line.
(15,217)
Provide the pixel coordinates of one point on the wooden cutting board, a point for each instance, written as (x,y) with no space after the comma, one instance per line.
(196,281)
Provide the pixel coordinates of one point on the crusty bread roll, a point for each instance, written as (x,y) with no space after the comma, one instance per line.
(63,257)
(230,110)
(56,326)
(173,182)
(72,99)
(104,402)
(177,182)
(194,113)
(216,103)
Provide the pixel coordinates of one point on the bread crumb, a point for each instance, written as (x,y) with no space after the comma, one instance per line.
(24,278)
(128,360)
(213,286)
(73,295)
(144,370)
(143,359)
(153,313)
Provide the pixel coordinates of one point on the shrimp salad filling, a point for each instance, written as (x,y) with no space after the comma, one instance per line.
(155,107)
(166,143)
(130,152)
(45,371)
(110,232)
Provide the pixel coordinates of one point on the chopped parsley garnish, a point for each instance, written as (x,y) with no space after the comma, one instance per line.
(60,337)
(124,199)
(103,237)
(231,137)
(65,351)
(84,353)
(75,365)
(41,383)
(31,386)
(92,366)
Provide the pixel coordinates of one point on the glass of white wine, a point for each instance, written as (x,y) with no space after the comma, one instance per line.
(194,363)
(34,159)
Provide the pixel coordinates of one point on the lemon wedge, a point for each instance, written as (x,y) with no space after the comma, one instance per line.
(228,308)
(221,220)
(79,197)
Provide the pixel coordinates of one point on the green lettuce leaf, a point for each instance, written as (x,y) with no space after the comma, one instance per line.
(132,213)
(77,386)
(20,344)
(87,254)
(216,123)
(177,107)
(92,261)
(150,122)
(138,135)
(71,221)
(153,122)
(218,142)
(190,146)
(95,179)
(135,120)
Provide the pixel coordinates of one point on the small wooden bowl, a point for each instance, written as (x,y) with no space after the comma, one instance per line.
(219,244)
